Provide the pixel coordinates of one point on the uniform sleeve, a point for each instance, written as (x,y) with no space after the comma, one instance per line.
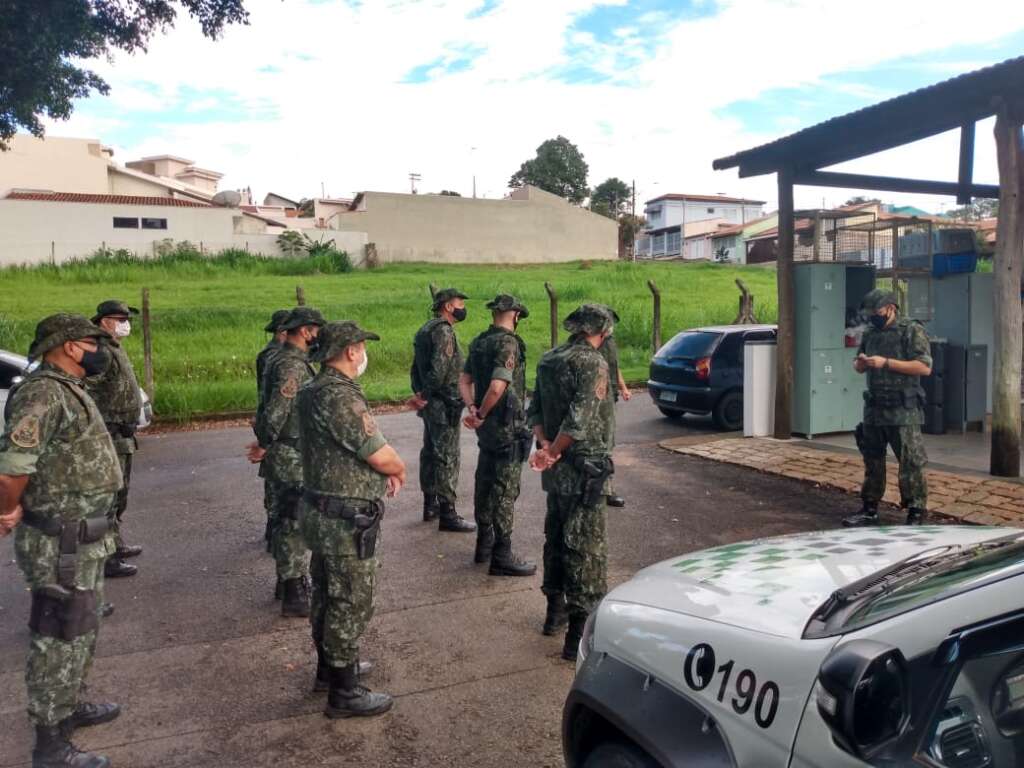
(591,387)
(353,427)
(442,356)
(286,378)
(534,413)
(34,418)
(504,359)
(920,346)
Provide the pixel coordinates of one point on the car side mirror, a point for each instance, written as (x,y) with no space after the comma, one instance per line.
(17,380)
(864,696)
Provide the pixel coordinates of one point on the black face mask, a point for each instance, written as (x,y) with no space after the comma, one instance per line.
(95,362)
(879,321)
(459,313)
(313,345)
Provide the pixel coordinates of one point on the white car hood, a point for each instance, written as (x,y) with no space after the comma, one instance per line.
(774,585)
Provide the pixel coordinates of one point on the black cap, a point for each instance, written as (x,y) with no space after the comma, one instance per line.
(276,319)
(113,307)
(301,316)
(334,337)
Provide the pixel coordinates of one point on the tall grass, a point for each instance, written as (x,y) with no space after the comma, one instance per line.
(208,312)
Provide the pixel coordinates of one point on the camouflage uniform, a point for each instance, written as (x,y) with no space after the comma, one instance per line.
(572,396)
(263,362)
(610,352)
(55,434)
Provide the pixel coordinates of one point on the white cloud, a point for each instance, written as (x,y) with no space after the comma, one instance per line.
(331,75)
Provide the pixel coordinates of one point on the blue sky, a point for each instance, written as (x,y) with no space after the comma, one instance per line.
(356,95)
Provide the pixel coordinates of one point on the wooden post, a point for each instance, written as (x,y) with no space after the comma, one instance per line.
(746,313)
(553,301)
(1007,268)
(656,324)
(300,296)
(787,319)
(53,252)
(433,291)
(147,345)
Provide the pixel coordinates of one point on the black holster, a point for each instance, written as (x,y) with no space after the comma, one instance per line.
(594,474)
(367,529)
(63,613)
(291,508)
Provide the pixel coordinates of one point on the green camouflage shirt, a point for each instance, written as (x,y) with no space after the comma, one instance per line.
(116,390)
(288,371)
(903,340)
(437,361)
(610,352)
(500,354)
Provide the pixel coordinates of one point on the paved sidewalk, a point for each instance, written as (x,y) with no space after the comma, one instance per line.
(960,497)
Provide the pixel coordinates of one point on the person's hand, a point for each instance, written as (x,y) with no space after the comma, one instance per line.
(254,453)
(417,402)
(473,421)
(625,393)
(875,361)
(395,484)
(542,460)
(9,521)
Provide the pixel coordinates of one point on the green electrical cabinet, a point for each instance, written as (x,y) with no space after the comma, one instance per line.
(828,395)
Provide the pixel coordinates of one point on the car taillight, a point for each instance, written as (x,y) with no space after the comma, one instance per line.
(703,368)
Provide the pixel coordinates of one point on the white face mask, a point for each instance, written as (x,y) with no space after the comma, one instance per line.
(361,368)
(122,329)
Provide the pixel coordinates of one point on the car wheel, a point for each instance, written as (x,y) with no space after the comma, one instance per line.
(615,754)
(728,412)
(671,414)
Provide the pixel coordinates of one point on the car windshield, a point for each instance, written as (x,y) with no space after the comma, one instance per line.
(690,344)
(960,570)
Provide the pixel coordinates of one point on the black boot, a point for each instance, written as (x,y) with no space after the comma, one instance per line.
(573,635)
(295,602)
(323,671)
(268,536)
(451,521)
(347,698)
(116,567)
(55,750)
(484,543)
(614,500)
(868,515)
(127,550)
(431,507)
(916,516)
(279,589)
(106,610)
(87,714)
(557,616)
(505,563)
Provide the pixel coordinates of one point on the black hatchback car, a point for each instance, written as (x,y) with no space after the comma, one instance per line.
(701,371)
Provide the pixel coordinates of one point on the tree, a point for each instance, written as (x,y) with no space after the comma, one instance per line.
(858,200)
(629,227)
(449,193)
(981,208)
(46,41)
(307,206)
(610,197)
(558,168)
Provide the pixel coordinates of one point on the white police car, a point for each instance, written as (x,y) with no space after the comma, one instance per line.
(895,646)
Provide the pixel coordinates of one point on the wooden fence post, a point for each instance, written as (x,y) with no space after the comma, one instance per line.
(656,326)
(553,301)
(300,296)
(433,291)
(147,345)
(746,313)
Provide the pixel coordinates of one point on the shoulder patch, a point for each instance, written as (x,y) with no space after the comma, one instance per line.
(449,348)
(601,386)
(510,364)
(290,388)
(26,433)
(369,425)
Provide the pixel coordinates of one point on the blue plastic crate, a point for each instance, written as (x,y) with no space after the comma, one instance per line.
(954,263)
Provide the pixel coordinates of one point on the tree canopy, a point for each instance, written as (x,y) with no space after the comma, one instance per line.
(558,168)
(46,41)
(980,208)
(610,197)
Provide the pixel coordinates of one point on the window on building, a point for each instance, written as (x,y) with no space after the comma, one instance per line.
(122,222)
(673,242)
(154,223)
(711,210)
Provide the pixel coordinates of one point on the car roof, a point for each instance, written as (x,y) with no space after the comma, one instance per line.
(732,328)
(13,358)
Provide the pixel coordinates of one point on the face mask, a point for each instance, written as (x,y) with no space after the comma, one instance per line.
(313,345)
(879,321)
(459,314)
(361,368)
(123,329)
(95,362)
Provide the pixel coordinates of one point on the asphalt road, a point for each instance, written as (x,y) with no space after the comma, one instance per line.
(210,675)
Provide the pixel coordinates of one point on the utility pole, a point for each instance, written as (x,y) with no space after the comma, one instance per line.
(472,162)
(322,193)
(413,178)
(633,206)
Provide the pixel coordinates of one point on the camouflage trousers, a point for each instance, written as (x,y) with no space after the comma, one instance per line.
(908,446)
(268,500)
(55,669)
(575,552)
(496,489)
(341,605)
(286,540)
(121,500)
(439,457)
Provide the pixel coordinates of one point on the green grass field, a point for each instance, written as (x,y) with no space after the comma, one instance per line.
(208,316)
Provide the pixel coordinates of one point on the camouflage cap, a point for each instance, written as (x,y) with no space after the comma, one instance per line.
(610,311)
(301,316)
(878,298)
(505,302)
(589,319)
(56,329)
(334,337)
(445,295)
(113,307)
(276,320)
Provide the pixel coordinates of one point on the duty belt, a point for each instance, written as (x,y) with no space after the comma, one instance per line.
(121,430)
(341,509)
(70,535)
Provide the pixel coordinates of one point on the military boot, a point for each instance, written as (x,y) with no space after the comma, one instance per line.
(505,563)
(557,615)
(323,671)
(868,515)
(86,715)
(347,698)
(484,543)
(268,536)
(54,750)
(295,602)
(573,635)
(127,550)
(116,567)
(431,507)
(916,516)
(279,589)
(106,610)
(451,521)
(614,500)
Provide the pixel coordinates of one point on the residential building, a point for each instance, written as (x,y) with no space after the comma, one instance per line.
(730,243)
(673,220)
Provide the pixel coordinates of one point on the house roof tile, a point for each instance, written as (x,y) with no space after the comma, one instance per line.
(79,197)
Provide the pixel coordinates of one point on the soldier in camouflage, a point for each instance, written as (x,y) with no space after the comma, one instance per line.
(263,360)
(610,352)
(895,354)
(278,436)
(493,386)
(347,469)
(59,477)
(436,367)
(571,418)
(117,395)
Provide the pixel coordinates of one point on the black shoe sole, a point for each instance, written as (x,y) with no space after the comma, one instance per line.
(120,574)
(444,529)
(507,572)
(75,725)
(293,613)
(343,714)
(555,630)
